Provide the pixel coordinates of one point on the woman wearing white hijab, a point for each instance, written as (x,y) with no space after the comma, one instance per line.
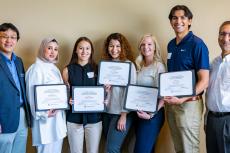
(49,127)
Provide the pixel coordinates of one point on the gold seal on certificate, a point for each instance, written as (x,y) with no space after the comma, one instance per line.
(114,73)
(141,98)
(52,96)
(179,83)
(88,99)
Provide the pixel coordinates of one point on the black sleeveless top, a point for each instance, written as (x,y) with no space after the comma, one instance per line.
(82,76)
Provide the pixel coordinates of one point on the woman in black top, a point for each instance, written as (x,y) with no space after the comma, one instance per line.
(81,71)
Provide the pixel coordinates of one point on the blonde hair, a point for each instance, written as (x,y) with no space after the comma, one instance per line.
(44,44)
(157,52)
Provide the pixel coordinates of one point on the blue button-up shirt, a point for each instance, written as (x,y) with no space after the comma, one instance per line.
(13,70)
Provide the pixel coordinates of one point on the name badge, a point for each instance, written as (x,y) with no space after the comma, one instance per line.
(90,74)
(169,55)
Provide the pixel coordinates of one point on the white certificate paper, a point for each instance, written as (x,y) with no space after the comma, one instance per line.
(180,83)
(141,98)
(114,73)
(88,99)
(51,97)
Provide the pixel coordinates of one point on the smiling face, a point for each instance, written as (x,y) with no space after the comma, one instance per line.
(180,23)
(8,41)
(224,39)
(147,47)
(51,51)
(83,52)
(114,48)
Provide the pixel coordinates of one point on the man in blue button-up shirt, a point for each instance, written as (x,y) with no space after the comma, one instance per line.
(14,108)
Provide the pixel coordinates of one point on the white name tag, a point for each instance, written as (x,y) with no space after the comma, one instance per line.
(169,55)
(90,74)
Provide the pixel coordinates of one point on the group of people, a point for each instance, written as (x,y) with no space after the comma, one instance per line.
(184,114)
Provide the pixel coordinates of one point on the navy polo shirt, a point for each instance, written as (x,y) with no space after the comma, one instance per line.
(190,54)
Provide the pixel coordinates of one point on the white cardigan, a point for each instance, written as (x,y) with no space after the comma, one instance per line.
(45,130)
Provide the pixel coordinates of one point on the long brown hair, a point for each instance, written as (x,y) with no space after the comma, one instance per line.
(74,57)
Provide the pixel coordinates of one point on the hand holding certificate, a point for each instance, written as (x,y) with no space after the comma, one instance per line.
(180,84)
(141,98)
(88,99)
(114,73)
(51,97)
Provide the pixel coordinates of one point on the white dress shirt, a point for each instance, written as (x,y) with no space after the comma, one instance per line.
(218,92)
(45,129)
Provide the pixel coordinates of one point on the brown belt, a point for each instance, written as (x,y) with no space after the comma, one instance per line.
(194,98)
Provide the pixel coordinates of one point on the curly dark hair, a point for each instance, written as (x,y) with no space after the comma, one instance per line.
(126,50)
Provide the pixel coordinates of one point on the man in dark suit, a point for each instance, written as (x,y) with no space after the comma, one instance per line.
(14,108)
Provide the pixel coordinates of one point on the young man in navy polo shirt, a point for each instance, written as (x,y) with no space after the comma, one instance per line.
(186,52)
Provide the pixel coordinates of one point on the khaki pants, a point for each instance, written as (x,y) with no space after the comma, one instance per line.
(77,133)
(184,123)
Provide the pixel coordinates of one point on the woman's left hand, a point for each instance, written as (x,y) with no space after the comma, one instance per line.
(121,124)
(52,112)
(143,115)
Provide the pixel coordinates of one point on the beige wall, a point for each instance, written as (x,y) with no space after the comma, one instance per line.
(67,20)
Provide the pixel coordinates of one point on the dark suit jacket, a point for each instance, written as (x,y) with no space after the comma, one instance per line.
(10,97)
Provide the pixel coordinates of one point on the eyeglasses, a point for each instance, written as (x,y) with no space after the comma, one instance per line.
(8,37)
(224,34)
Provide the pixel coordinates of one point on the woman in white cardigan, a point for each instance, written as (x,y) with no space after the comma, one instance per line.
(49,127)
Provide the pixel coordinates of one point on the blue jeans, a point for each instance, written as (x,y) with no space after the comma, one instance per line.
(114,137)
(147,132)
(15,142)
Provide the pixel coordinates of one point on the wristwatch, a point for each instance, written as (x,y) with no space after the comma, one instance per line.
(151,115)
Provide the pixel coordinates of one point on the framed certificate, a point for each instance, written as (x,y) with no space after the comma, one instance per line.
(141,98)
(179,84)
(114,73)
(88,99)
(51,96)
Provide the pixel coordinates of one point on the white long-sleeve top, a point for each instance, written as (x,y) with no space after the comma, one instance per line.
(218,92)
(45,129)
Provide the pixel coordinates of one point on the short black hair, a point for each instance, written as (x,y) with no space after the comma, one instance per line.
(7,26)
(223,24)
(186,10)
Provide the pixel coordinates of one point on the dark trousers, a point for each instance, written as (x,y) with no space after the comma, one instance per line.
(147,132)
(218,133)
